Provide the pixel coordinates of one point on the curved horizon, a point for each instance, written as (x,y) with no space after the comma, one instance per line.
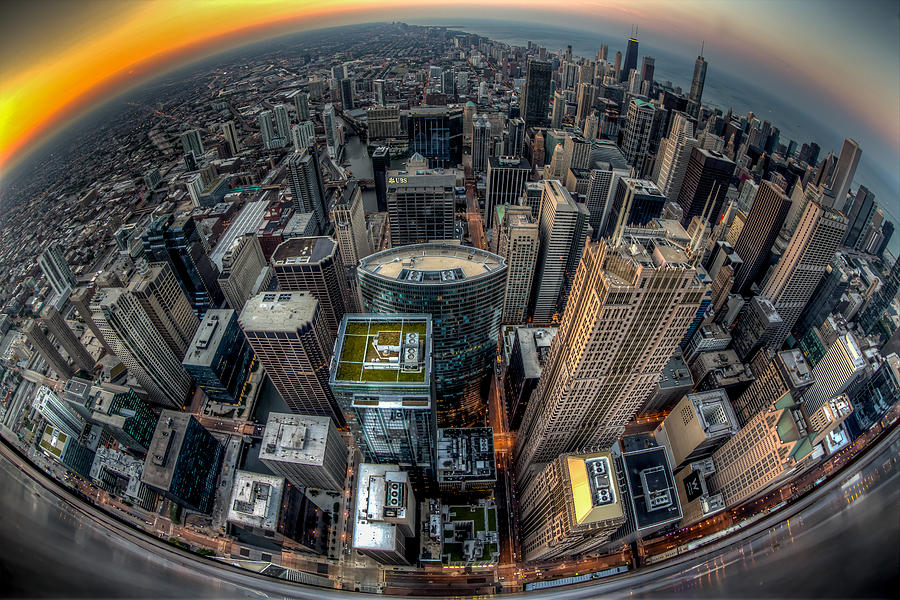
(90,64)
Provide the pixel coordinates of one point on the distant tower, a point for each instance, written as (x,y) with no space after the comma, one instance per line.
(696,96)
(231,136)
(56,270)
(307,190)
(704,186)
(877,307)
(648,65)
(191,142)
(844,171)
(763,224)
(270,138)
(379,91)
(518,245)
(301,106)
(332,136)
(559,109)
(536,98)
(674,154)
(288,335)
(349,221)
(346,94)
(636,140)
(631,56)
(481,143)
(283,123)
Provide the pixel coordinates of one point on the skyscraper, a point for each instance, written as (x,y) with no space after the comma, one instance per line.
(844,171)
(56,270)
(763,224)
(81,300)
(40,342)
(800,268)
(303,135)
(518,245)
(536,97)
(219,357)
(349,221)
(436,133)
(462,289)
(287,333)
(648,65)
(421,204)
(635,202)
(378,85)
(558,112)
(673,156)
(631,56)
(134,338)
(242,264)
(697,426)
(786,371)
(283,123)
(177,241)
(695,98)
(704,186)
(163,301)
(231,137)
(183,462)
(346,86)
(307,450)
(191,142)
(877,307)
(332,133)
(636,139)
(270,138)
(859,217)
(481,143)
(301,106)
(381,162)
(629,308)
(314,265)
(564,226)
(506,177)
(842,364)
(307,190)
(67,340)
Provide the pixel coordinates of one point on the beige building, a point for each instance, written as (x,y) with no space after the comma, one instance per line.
(628,310)
(518,243)
(164,302)
(66,338)
(349,221)
(241,268)
(572,506)
(288,334)
(384,517)
(383,122)
(699,423)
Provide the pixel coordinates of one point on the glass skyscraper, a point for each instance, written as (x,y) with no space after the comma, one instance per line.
(436,133)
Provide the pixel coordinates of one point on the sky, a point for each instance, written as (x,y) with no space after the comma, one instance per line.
(837,61)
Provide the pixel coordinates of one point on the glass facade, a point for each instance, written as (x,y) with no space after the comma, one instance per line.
(197,468)
(436,135)
(139,422)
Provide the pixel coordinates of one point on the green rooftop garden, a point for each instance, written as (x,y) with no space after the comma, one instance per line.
(358,347)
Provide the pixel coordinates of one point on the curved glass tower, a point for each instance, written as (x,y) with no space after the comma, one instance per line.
(462,289)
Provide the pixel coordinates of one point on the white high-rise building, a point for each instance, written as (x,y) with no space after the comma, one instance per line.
(270,138)
(283,123)
(842,364)
(481,143)
(56,270)
(332,135)
(231,137)
(844,171)
(303,135)
(636,139)
(349,221)
(629,308)
(191,142)
(673,156)
(518,245)
(305,181)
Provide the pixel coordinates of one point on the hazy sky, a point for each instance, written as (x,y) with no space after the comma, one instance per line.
(838,60)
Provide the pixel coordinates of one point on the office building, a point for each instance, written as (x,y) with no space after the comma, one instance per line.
(267,131)
(314,265)
(287,332)
(873,399)
(64,448)
(384,517)
(191,142)
(383,122)
(842,364)
(307,190)
(524,365)
(381,374)
(183,461)
(705,184)
(163,301)
(573,506)
(636,138)
(435,132)
(332,133)
(178,242)
(558,111)
(57,412)
(301,106)
(381,163)
(696,427)
(229,132)
(631,56)
(42,344)
(878,305)
(536,94)
(465,460)
(283,123)
(117,409)
(564,227)
(462,289)
(674,154)
(721,369)
(219,357)
(81,300)
(378,86)
(786,371)
(506,178)
(844,171)
(56,270)
(695,98)
(518,244)
(421,205)
(859,216)
(611,347)
(303,135)
(635,202)
(755,328)
(135,339)
(242,264)
(760,230)
(120,474)
(349,221)
(673,383)
(802,264)
(306,450)
(66,339)
(346,87)
(481,143)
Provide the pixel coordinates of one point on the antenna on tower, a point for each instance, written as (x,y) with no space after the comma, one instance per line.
(702,44)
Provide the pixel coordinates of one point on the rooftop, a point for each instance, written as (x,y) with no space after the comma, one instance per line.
(383,499)
(205,344)
(466,455)
(294,438)
(385,349)
(651,487)
(164,449)
(432,263)
(594,489)
(303,250)
(798,369)
(534,343)
(278,311)
(255,500)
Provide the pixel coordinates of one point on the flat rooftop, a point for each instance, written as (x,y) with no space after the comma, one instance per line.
(798,369)
(386,349)
(164,449)
(303,250)
(294,438)
(370,529)
(255,500)
(205,344)
(432,263)
(593,487)
(534,343)
(651,488)
(247,221)
(278,311)
(466,455)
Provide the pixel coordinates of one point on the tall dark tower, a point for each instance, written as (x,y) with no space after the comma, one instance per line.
(631,56)
(537,93)
(766,217)
(697,82)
